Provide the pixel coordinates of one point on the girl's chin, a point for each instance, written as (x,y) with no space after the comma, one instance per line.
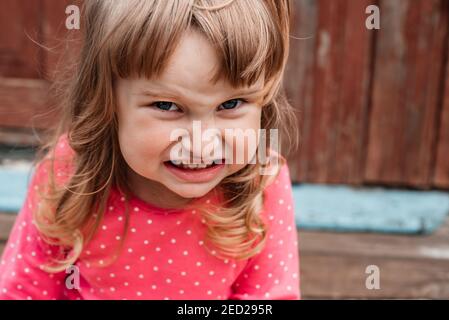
(190,193)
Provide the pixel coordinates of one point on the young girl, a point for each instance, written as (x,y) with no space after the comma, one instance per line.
(111,213)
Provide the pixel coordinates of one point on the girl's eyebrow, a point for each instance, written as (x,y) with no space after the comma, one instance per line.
(147,92)
(157,93)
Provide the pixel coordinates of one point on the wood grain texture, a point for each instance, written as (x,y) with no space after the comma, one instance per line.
(342,277)
(441,176)
(23,103)
(6,224)
(328,80)
(299,76)
(63,44)
(406,90)
(2,247)
(20,136)
(333,265)
(20,34)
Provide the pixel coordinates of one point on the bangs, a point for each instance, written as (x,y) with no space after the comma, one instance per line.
(140,36)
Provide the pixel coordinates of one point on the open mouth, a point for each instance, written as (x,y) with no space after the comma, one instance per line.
(192,172)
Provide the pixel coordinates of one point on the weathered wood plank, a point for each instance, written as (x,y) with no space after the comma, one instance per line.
(333,264)
(23,137)
(6,224)
(380,245)
(346,163)
(323,135)
(409,66)
(63,44)
(339,277)
(299,77)
(20,24)
(2,247)
(332,97)
(23,103)
(441,176)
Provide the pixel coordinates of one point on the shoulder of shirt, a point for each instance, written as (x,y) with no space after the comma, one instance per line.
(279,172)
(63,149)
(62,155)
(277,191)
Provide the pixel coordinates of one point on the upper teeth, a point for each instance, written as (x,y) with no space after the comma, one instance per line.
(186,164)
(190,166)
(195,166)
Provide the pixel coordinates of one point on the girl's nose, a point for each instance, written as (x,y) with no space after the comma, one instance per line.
(203,143)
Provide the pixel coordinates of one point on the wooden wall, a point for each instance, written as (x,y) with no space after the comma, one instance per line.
(33,39)
(373,105)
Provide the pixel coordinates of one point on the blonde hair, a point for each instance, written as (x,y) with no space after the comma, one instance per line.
(136,37)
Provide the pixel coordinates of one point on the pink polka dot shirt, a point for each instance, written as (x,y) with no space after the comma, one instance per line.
(163,257)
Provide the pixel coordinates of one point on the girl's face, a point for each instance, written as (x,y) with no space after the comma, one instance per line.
(150,111)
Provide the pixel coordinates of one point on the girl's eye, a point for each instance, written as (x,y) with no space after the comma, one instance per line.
(166,106)
(231,104)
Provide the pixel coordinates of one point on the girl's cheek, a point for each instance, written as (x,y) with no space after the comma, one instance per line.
(244,146)
(153,140)
(243,149)
(144,138)
(143,125)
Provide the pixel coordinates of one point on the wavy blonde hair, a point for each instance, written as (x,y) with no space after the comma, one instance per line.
(136,38)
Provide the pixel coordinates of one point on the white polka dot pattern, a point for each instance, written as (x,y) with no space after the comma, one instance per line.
(164,255)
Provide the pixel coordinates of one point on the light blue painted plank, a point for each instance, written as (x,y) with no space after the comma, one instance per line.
(369,209)
(327,207)
(13,188)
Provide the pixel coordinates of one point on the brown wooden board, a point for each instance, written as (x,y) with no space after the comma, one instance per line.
(20,39)
(408,71)
(441,177)
(22,137)
(6,224)
(339,277)
(328,81)
(299,76)
(62,44)
(333,264)
(2,247)
(23,103)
